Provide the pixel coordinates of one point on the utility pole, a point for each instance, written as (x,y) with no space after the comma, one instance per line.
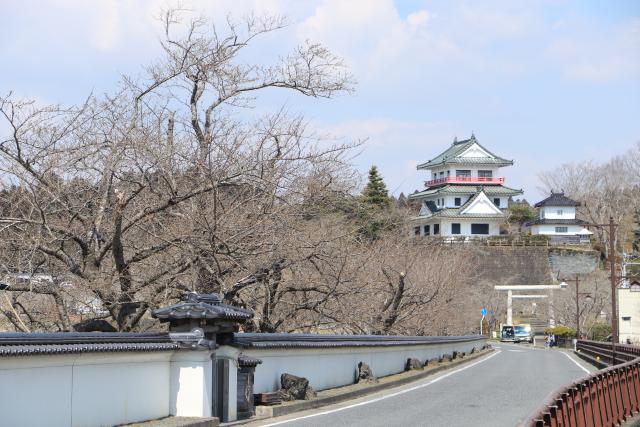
(614,286)
(577,307)
(509,307)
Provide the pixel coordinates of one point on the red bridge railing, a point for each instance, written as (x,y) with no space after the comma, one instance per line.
(605,398)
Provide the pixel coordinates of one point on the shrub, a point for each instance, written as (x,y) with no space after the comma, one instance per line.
(561,331)
(599,331)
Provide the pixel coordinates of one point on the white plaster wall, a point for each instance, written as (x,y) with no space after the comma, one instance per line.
(551,229)
(35,391)
(629,306)
(551,212)
(465,227)
(329,368)
(112,388)
(191,385)
(98,389)
(452,171)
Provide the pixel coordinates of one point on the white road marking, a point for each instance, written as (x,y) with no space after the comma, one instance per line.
(377,399)
(576,362)
(516,351)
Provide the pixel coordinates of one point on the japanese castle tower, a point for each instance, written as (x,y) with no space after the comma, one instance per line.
(465,195)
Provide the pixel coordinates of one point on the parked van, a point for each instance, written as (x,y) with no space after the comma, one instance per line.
(507,333)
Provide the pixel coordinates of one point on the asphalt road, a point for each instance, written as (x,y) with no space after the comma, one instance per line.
(501,389)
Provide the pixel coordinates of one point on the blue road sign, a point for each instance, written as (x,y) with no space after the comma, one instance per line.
(483,311)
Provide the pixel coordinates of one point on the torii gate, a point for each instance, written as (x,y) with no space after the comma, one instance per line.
(510,296)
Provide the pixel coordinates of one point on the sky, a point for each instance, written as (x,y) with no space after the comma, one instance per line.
(541,82)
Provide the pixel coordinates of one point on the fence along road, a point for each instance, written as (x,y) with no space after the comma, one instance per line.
(501,389)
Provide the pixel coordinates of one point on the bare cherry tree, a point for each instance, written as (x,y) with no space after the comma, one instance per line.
(130,199)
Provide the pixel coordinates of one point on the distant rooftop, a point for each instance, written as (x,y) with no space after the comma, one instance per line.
(557,199)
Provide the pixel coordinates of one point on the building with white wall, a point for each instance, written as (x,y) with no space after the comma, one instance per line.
(629,313)
(465,196)
(557,219)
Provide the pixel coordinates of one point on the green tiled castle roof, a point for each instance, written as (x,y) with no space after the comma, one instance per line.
(489,190)
(455,213)
(451,156)
(436,212)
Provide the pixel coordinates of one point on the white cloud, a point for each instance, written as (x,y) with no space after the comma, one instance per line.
(104,29)
(395,146)
(585,54)
(418,19)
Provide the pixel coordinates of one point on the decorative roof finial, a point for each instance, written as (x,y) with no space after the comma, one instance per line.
(455,139)
(473,136)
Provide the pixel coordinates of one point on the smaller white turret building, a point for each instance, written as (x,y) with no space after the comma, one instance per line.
(557,219)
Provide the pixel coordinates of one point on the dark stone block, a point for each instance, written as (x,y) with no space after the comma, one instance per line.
(365,374)
(295,388)
(413,364)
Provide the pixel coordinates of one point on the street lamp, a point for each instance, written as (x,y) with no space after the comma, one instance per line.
(578,294)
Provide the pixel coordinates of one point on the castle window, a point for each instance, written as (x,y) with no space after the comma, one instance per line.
(485,174)
(427,230)
(479,228)
(436,229)
(496,201)
(463,173)
(416,231)
(562,229)
(455,228)
(457,201)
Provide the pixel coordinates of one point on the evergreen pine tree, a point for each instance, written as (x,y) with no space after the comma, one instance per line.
(375,193)
(403,202)
(636,233)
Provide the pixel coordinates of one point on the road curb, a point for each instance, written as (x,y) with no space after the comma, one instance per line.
(263,412)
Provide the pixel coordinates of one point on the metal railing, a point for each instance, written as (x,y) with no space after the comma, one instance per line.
(602,353)
(605,398)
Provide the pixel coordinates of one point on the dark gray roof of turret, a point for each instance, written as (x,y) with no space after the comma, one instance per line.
(202,306)
(557,199)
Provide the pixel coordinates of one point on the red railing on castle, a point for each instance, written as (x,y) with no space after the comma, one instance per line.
(605,398)
(465,180)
